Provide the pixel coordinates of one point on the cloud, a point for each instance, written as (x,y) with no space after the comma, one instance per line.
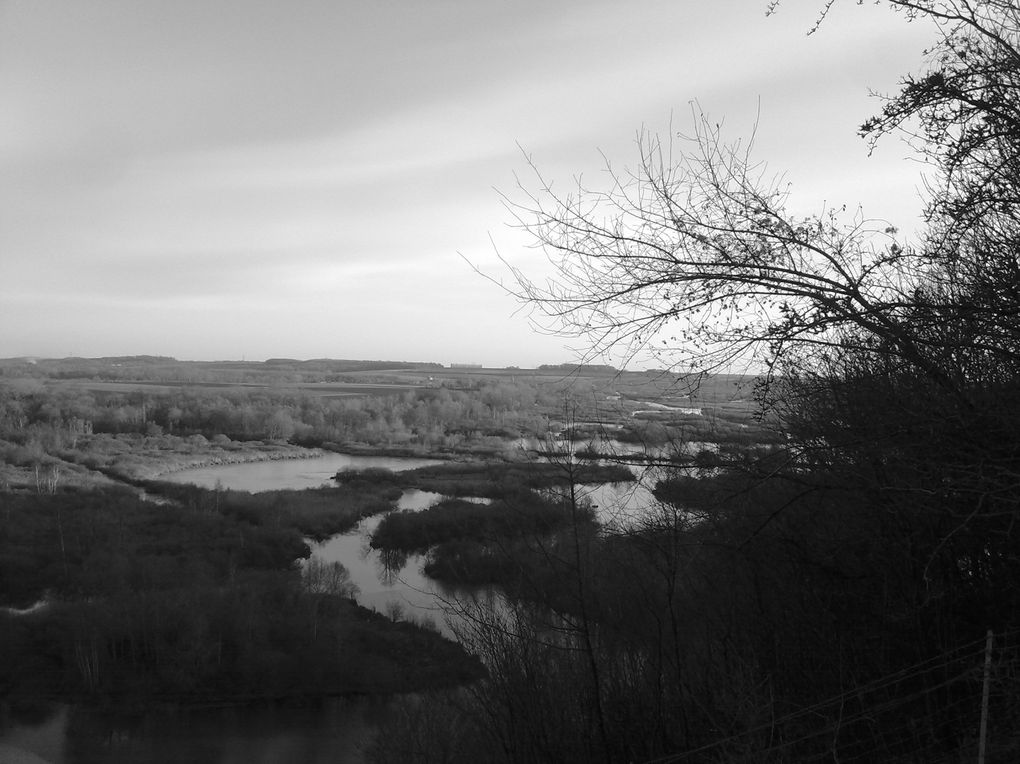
(326,161)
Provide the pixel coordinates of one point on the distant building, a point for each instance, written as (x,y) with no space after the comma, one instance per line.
(465,366)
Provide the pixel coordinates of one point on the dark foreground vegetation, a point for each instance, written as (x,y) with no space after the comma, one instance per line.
(317,513)
(160,591)
(474,542)
(848,591)
(493,480)
(455,519)
(198,601)
(851,591)
(468,543)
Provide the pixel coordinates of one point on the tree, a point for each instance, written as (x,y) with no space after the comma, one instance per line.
(884,537)
(696,254)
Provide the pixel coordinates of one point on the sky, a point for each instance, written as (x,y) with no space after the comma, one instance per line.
(218,179)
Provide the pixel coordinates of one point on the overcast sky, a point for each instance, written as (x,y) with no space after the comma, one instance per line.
(215,179)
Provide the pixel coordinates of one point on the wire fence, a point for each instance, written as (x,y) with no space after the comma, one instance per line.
(928,712)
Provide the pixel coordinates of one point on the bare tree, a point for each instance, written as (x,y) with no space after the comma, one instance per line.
(696,254)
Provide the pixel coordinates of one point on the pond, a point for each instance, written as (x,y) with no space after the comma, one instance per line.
(289,474)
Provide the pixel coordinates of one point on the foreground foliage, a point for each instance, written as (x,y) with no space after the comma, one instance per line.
(852,595)
(142,601)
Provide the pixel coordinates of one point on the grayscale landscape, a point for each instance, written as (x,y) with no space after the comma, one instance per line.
(488,382)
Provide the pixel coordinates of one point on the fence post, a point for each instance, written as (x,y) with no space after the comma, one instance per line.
(984,699)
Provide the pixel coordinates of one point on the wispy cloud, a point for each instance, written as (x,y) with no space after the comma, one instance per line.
(166,169)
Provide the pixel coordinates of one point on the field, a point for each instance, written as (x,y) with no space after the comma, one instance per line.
(76,421)
(314,389)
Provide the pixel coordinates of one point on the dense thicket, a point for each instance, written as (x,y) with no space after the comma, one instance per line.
(523,514)
(197,601)
(494,480)
(829,599)
(316,513)
(55,418)
(49,423)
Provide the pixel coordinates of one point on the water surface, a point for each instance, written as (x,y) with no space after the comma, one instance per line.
(331,731)
(289,474)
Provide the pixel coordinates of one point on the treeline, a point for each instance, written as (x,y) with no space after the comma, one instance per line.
(494,480)
(504,544)
(446,413)
(525,514)
(146,368)
(316,513)
(55,418)
(579,368)
(527,508)
(851,593)
(711,625)
(81,545)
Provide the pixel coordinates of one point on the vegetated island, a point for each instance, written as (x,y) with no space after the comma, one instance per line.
(118,599)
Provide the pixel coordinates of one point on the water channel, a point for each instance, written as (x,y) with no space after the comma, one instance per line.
(335,730)
(386,590)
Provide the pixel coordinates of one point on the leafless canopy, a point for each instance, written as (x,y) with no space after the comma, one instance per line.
(696,253)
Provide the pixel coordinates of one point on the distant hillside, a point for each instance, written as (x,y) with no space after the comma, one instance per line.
(147,368)
(580,368)
(344,365)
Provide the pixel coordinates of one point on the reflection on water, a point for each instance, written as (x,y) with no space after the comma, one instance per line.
(289,474)
(389,582)
(335,730)
(392,582)
(618,504)
(414,500)
(33,731)
(393,562)
(332,730)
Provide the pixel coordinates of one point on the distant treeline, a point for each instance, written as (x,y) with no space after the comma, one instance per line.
(44,419)
(493,480)
(579,368)
(55,418)
(162,368)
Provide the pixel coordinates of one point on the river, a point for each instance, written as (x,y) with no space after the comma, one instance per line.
(405,589)
(335,730)
(400,587)
(390,591)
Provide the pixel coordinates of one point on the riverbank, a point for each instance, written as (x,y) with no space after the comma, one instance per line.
(468,454)
(104,459)
(154,463)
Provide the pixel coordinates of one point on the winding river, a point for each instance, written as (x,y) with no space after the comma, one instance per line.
(334,730)
(403,591)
